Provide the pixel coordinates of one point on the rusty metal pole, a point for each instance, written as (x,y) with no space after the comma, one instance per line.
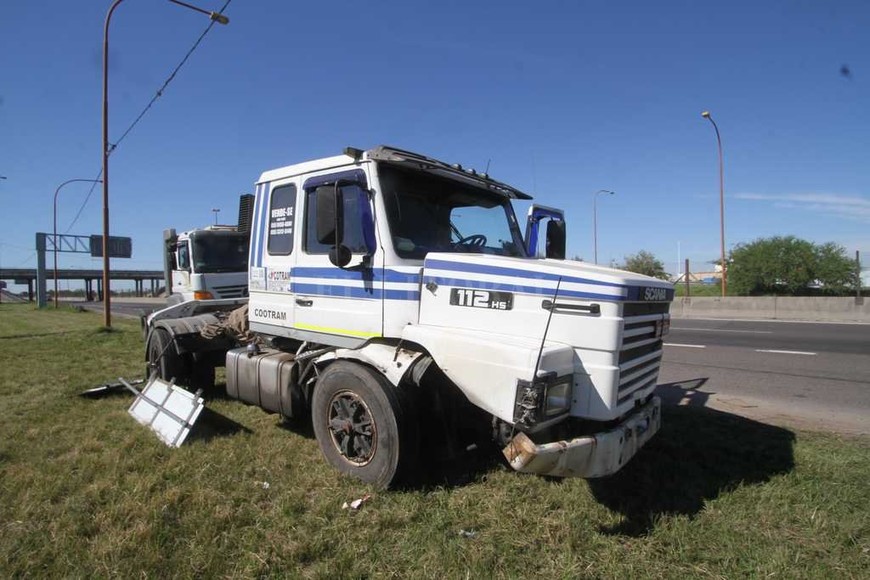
(107,307)
(706,115)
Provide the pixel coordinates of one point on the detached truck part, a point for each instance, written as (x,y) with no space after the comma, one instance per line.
(395,299)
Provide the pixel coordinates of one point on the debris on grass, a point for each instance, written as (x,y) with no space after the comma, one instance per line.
(357,503)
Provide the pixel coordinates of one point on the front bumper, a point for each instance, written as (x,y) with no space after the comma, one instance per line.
(595,455)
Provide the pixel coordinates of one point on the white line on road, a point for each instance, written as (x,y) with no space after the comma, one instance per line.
(721,330)
(685,345)
(787,352)
(770,320)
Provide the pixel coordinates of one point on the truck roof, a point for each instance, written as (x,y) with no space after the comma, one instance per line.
(304,167)
(392,155)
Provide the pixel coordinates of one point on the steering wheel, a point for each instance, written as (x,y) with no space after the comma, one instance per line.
(473,241)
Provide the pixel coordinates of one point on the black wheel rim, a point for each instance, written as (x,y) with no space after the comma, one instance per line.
(351,428)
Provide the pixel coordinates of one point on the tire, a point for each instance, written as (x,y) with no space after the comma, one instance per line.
(361,425)
(163,357)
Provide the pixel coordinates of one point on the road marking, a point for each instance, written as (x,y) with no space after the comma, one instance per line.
(771,320)
(721,330)
(787,352)
(685,345)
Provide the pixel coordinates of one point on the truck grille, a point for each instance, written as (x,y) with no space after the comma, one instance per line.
(234,291)
(640,354)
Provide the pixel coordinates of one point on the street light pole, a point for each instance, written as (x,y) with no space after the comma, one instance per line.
(595,219)
(706,115)
(215,17)
(215,211)
(54,234)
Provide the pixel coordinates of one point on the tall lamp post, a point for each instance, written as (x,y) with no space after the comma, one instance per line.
(706,115)
(54,232)
(215,211)
(595,219)
(215,17)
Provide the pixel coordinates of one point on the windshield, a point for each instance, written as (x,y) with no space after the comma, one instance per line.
(225,252)
(427,213)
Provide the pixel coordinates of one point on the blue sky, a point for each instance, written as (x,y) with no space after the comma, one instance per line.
(560,98)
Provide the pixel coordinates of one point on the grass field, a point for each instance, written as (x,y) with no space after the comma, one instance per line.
(85,491)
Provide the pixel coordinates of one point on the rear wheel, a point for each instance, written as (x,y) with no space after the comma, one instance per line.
(163,357)
(361,425)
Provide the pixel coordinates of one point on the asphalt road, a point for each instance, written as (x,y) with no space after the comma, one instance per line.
(127,307)
(811,375)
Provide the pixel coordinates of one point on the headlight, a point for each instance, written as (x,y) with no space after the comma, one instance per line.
(558,399)
(545,399)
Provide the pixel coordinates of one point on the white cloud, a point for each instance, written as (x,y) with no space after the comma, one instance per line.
(844,206)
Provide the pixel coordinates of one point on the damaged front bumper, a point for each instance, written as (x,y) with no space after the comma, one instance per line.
(595,455)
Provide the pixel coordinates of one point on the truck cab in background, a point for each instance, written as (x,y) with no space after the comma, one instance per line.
(205,264)
(209,263)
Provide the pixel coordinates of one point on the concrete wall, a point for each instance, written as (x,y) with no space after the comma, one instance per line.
(774,308)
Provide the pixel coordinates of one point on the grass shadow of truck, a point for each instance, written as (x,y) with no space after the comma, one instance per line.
(699,454)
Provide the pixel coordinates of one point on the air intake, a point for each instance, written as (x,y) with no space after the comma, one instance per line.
(246,212)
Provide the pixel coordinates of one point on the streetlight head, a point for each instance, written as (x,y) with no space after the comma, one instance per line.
(219,18)
(705,114)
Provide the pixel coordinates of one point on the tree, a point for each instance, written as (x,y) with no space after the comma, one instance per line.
(791,266)
(645,263)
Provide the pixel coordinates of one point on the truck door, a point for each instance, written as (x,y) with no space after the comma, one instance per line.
(339,304)
(273,251)
(552,243)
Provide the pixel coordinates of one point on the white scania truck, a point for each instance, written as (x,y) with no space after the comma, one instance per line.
(394,299)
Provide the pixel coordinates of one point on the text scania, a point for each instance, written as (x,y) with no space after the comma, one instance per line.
(655,294)
(271,314)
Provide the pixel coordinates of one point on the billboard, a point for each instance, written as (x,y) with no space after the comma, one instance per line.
(118,247)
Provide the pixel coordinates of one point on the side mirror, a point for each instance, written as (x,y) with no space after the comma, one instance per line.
(330,215)
(340,256)
(330,222)
(556,235)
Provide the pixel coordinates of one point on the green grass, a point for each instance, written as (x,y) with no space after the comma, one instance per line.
(86,491)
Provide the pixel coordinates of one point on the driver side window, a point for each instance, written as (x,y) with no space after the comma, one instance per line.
(183,257)
(354,238)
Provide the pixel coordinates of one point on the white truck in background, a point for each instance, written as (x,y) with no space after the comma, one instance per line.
(208,263)
(395,301)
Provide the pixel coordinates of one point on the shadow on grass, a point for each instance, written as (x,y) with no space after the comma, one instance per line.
(212,424)
(698,454)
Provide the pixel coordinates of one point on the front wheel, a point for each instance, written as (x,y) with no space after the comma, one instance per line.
(361,425)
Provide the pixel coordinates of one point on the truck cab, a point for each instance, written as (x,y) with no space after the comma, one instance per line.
(206,263)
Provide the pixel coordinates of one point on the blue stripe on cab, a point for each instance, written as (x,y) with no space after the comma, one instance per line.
(257,238)
(264,229)
(354,292)
(513,272)
(370,275)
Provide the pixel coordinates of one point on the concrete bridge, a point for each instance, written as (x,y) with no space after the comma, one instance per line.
(28,276)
